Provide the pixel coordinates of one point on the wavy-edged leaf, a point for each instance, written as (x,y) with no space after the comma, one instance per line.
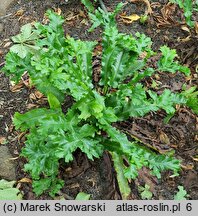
(167,63)
(32,118)
(167,100)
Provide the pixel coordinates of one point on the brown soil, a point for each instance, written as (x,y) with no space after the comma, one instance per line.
(98,177)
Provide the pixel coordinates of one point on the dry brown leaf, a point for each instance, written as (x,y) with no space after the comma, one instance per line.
(75,185)
(21,136)
(184,39)
(32,96)
(38,94)
(19,12)
(30,106)
(167,16)
(149,9)
(196,27)
(164,138)
(58,11)
(11,127)
(97,50)
(25,180)
(70,17)
(74,16)
(130,19)
(2,140)
(82,14)
(167,11)
(85,22)
(143,55)
(155,4)
(69,169)
(93,181)
(195,158)
(42,101)
(26,81)
(7,44)
(188,166)
(17,87)
(185,28)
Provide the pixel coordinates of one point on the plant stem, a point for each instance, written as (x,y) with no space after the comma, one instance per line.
(103,6)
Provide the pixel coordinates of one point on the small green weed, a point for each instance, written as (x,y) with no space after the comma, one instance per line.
(181,194)
(8,191)
(145,192)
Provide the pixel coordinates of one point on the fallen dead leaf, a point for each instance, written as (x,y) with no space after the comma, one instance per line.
(75,16)
(2,140)
(25,180)
(42,101)
(58,11)
(17,87)
(11,127)
(184,39)
(19,12)
(32,96)
(185,28)
(7,44)
(30,106)
(164,138)
(69,169)
(149,9)
(130,19)
(188,166)
(143,55)
(167,11)
(75,185)
(92,180)
(85,22)
(21,136)
(1,52)
(38,94)
(196,27)
(82,14)
(195,158)
(26,81)
(167,16)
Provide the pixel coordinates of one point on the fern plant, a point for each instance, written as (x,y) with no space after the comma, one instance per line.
(61,66)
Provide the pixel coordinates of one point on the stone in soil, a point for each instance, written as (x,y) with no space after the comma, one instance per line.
(7,166)
(1,27)
(4,5)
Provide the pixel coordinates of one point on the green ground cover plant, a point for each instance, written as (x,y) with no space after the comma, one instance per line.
(8,191)
(145,192)
(181,194)
(60,66)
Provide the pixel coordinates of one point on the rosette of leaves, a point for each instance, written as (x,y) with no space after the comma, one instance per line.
(63,66)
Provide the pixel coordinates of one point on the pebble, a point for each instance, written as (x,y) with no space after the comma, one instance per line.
(1,27)
(7,166)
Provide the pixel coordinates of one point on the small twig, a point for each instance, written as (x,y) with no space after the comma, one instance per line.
(103,6)
(3,17)
(2,64)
